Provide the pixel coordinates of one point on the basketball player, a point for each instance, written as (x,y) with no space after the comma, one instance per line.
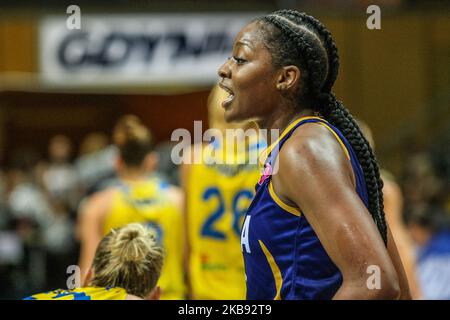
(316,228)
(137,198)
(126,266)
(217,195)
(393,207)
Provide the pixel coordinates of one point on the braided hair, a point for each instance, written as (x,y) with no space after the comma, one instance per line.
(295,38)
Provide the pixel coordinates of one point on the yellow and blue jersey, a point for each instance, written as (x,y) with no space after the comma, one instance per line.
(284,258)
(87,293)
(218,196)
(147,202)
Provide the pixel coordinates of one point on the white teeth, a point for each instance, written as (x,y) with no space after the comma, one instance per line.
(229,98)
(227,90)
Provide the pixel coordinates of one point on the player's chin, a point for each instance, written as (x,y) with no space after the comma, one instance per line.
(234,113)
(229,116)
(232,117)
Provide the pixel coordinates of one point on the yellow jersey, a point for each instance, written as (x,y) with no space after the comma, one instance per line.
(147,202)
(218,196)
(88,293)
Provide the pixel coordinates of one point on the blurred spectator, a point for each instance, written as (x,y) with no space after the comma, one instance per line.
(4,215)
(40,196)
(26,200)
(93,142)
(426,188)
(440,160)
(96,162)
(429,227)
(420,183)
(167,169)
(60,178)
(11,246)
(393,208)
(30,214)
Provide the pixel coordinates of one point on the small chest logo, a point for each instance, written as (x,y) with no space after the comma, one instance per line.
(266,174)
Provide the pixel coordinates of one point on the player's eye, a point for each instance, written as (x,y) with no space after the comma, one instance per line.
(239,60)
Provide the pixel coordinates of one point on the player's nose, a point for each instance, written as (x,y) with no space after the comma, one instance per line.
(224,70)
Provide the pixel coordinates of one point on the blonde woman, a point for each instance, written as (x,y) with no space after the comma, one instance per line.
(127,266)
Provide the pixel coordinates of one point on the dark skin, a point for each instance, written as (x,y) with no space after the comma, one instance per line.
(263,93)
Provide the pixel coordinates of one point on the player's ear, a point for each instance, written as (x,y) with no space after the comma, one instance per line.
(88,277)
(151,161)
(288,78)
(155,294)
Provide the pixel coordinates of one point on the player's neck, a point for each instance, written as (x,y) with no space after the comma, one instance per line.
(132,174)
(280,120)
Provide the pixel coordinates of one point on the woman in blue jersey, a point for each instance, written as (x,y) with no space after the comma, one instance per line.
(316,227)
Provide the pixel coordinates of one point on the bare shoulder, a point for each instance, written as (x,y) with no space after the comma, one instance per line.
(132,297)
(312,162)
(188,161)
(313,148)
(105,194)
(390,188)
(176,196)
(98,203)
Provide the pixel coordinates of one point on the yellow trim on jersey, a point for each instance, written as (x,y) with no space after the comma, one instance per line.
(275,270)
(337,138)
(295,211)
(278,201)
(86,293)
(264,154)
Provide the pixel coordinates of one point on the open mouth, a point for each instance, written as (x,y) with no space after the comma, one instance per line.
(229,99)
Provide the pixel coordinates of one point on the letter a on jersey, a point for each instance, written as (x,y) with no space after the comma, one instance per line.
(244,235)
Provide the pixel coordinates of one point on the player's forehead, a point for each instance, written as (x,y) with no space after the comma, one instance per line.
(249,36)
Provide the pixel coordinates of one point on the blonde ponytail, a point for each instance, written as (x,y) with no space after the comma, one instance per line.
(129,258)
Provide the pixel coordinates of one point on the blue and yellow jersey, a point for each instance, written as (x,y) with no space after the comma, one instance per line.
(88,293)
(147,202)
(218,196)
(284,258)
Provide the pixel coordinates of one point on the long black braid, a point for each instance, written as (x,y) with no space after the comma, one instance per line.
(297,38)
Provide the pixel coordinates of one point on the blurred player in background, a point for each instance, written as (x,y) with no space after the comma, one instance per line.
(429,227)
(136,198)
(96,163)
(127,265)
(217,196)
(393,208)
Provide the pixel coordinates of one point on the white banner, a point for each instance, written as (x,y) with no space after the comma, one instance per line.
(137,49)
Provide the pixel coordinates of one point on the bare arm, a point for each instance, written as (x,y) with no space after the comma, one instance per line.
(176,196)
(398,265)
(400,244)
(90,229)
(184,176)
(315,175)
(179,229)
